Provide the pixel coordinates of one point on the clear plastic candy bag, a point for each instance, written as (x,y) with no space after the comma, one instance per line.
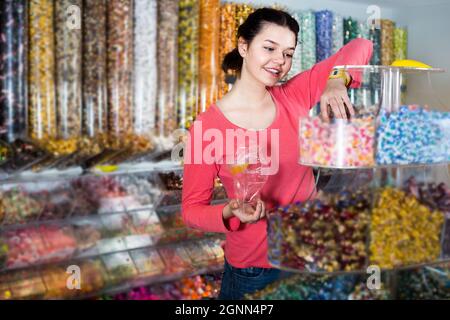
(250,173)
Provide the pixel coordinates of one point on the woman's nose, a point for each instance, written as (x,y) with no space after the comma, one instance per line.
(280,59)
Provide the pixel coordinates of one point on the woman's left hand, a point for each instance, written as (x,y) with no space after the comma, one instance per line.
(335,101)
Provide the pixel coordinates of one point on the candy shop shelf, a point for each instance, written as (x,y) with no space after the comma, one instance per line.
(157,279)
(362,271)
(374,167)
(91,236)
(346,229)
(423,283)
(378,68)
(113,273)
(106,170)
(411,136)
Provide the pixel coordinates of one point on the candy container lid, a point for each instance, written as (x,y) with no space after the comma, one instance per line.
(402,67)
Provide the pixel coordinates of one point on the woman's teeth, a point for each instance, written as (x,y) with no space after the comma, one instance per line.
(273,71)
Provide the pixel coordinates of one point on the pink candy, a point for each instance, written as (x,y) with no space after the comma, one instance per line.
(342,143)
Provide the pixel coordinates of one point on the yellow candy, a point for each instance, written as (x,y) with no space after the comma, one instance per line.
(239,168)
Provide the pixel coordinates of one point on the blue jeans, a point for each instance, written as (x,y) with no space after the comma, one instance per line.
(236,282)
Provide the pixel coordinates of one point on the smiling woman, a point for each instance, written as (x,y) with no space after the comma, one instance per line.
(266,43)
(266,31)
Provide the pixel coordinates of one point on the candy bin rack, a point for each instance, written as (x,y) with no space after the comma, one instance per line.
(112,225)
(386,202)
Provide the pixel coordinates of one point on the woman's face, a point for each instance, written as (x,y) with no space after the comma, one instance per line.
(269,56)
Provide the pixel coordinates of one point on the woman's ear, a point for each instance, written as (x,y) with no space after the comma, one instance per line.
(242,47)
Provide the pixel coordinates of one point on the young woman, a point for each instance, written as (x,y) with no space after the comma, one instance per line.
(266,43)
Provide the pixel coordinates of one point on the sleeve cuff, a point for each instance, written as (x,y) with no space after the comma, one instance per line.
(231,224)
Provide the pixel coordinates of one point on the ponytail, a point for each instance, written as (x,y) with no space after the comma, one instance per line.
(232,61)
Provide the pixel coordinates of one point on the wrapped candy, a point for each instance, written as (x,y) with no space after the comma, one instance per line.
(145,72)
(167,58)
(398,142)
(403,231)
(209,66)
(68,76)
(400,49)
(308,39)
(297,58)
(324,33)
(363,30)
(120,66)
(375,37)
(188,61)
(228,42)
(375,80)
(13,69)
(400,43)
(326,234)
(41,75)
(242,12)
(350,30)
(387,42)
(95,115)
(338,32)
(337,144)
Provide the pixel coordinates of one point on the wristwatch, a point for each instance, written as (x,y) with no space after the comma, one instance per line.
(341,74)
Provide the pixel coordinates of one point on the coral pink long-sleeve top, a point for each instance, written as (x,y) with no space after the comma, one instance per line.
(246,244)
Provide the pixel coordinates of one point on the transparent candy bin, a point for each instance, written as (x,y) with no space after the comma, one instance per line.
(391,125)
(386,217)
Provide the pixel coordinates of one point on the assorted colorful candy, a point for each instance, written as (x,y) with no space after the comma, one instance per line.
(321,235)
(16,206)
(227,41)
(404,230)
(413,135)
(343,232)
(324,34)
(28,246)
(387,41)
(316,287)
(208,42)
(13,71)
(428,283)
(337,144)
(192,288)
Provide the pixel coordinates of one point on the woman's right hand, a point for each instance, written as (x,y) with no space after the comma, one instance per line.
(250,214)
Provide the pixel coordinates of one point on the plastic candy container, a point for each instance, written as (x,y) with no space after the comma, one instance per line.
(337,144)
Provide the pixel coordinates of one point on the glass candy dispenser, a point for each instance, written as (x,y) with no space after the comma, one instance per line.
(382,180)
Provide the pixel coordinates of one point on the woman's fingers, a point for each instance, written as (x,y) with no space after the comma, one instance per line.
(324,109)
(335,107)
(248,214)
(349,105)
(341,107)
(257,213)
(263,214)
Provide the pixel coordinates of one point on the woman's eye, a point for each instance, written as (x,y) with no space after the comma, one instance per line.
(289,55)
(268,48)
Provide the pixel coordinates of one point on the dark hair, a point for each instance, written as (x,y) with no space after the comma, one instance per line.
(252,26)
